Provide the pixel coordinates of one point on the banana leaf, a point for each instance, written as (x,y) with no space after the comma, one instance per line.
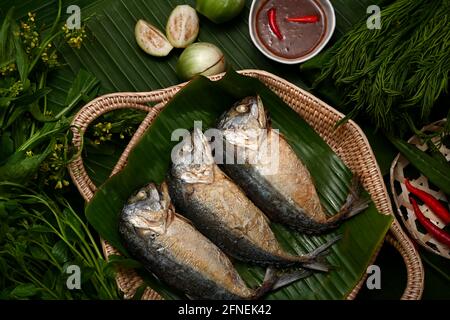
(112,55)
(204,100)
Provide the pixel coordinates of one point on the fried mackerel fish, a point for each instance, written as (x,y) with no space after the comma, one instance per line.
(169,246)
(273,177)
(222,211)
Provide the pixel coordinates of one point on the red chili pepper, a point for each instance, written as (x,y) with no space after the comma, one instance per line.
(304,19)
(272,15)
(430,201)
(438,234)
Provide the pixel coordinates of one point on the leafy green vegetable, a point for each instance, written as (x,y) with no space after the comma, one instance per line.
(19,167)
(396,72)
(24,290)
(48,236)
(203,100)
(28,127)
(40,235)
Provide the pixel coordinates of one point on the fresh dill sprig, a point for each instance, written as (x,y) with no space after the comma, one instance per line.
(400,69)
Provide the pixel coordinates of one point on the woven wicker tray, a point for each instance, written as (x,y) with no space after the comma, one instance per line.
(348,141)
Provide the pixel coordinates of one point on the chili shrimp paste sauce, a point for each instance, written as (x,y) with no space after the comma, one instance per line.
(297,38)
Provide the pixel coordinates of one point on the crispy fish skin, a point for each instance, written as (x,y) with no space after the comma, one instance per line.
(170,247)
(287,193)
(222,211)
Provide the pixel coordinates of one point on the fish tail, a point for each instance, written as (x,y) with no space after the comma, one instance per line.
(354,204)
(312,259)
(270,279)
(286,278)
(274,280)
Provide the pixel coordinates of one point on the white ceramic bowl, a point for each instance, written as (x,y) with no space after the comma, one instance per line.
(331,24)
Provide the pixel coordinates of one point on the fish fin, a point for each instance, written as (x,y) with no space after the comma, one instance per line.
(183,218)
(357,207)
(274,280)
(270,279)
(319,253)
(317,266)
(354,204)
(287,278)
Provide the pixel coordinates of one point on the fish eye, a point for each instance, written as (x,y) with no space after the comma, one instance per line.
(141,195)
(242,108)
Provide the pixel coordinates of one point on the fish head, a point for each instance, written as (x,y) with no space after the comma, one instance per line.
(149,210)
(248,113)
(245,123)
(193,162)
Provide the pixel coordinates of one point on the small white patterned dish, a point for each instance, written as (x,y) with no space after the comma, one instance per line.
(401,169)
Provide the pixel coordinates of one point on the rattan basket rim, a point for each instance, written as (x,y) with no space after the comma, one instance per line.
(140,100)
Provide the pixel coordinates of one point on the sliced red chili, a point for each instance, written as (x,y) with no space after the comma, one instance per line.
(439,234)
(304,19)
(272,15)
(430,201)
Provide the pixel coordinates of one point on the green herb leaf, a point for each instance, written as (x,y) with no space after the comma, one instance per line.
(61,252)
(38,253)
(6,42)
(82,89)
(19,168)
(21,57)
(34,96)
(39,228)
(7,148)
(25,290)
